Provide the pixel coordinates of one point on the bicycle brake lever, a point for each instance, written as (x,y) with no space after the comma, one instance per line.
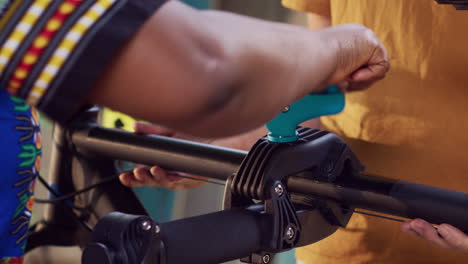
(282,128)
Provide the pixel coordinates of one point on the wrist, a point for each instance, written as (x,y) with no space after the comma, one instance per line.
(321,60)
(333,50)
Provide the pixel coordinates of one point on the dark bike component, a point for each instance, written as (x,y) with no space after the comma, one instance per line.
(121,239)
(263,176)
(70,171)
(323,194)
(169,153)
(458,4)
(398,198)
(212,238)
(81,160)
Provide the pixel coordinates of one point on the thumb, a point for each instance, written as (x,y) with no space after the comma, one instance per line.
(370,72)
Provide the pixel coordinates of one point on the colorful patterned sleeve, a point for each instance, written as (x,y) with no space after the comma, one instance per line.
(51,51)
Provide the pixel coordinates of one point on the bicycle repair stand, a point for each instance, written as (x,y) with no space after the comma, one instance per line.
(295,187)
(258,190)
(260,187)
(291,190)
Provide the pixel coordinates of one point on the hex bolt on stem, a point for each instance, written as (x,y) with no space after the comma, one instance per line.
(290,233)
(279,189)
(146,225)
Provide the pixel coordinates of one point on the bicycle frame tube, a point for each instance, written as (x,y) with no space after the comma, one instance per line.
(397,198)
(169,153)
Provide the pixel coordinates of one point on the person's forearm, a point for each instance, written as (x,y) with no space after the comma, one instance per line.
(214,74)
(267,60)
(224,68)
(317,22)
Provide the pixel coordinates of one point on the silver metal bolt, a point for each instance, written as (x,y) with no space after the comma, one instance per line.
(266,258)
(157,229)
(146,225)
(279,189)
(290,233)
(286,109)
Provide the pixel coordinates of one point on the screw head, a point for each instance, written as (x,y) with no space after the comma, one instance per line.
(286,109)
(290,233)
(157,229)
(279,189)
(146,225)
(266,258)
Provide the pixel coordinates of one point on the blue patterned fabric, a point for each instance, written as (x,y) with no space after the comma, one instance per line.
(19,165)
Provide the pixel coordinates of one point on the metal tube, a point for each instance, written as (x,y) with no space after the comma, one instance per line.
(373,193)
(398,198)
(169,153)
(214,238)
(352,196)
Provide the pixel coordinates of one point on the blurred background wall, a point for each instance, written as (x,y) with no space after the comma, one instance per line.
(165,205)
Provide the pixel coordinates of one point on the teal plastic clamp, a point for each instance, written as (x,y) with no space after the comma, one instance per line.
(283,127)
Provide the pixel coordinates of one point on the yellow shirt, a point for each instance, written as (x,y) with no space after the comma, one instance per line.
(411,126)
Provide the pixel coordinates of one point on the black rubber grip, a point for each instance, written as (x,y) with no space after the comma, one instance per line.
(398,198)
(213,238)
(433,204)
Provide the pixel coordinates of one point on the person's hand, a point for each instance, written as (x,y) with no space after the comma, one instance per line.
(156,176)
(445,236)
(362,58)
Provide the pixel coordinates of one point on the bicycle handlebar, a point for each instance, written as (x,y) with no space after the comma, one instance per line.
(397,198)
(214,238)
(169,153)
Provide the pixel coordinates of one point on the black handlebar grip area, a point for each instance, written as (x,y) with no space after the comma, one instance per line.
(433,204)
(213,238)
(397,198)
